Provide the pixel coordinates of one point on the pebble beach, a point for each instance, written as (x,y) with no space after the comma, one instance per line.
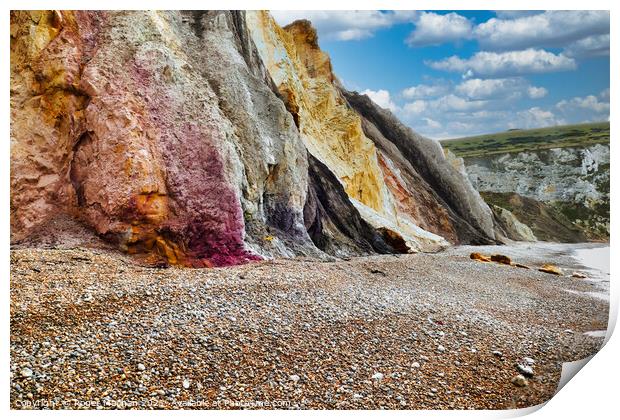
(91,329)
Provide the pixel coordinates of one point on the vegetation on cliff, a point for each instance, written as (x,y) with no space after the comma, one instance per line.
(514,141)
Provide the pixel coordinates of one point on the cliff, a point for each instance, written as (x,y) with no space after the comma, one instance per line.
(208,138)
(427,186)
(559,174)
(396,178)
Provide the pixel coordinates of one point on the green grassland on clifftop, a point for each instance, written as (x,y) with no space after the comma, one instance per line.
(514,141)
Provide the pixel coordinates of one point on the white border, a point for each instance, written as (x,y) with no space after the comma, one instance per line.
(592,394)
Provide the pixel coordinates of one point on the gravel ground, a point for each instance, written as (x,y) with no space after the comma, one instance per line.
(90,329)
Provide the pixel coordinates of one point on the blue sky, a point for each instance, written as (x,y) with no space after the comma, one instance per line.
(456,73)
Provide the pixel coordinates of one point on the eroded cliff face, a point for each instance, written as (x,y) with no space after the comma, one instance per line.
(47,110)
(570,181)
(116,122)
(381,182)
(203,138)
(331,131)
(433,182)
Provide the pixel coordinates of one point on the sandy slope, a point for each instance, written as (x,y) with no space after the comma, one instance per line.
(415,331)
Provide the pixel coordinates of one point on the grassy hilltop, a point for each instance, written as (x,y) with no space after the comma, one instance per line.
(514,141)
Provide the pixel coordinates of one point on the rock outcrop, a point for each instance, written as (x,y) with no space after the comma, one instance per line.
(510,227)
(208,138)
(456,205)
(545,221)
(331,130)
(333,222)
(117,122)
(572,180)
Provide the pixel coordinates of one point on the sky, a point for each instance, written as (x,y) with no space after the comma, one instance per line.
(451,74)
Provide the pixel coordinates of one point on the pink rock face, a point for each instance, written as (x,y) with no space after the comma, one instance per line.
(205,210)
(121,142)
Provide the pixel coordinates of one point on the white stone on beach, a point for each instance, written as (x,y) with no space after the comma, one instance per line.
(525,370)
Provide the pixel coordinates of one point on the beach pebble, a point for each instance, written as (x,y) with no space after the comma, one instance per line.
(141,366)
(378,376)
(497,353)
(441,349)
(519,380)
(186,383)
(294,378)
(26,372)
(526,370)
(551,269)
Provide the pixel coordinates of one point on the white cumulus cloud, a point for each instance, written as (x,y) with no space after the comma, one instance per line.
(486,63)
(513,14)
(415,107)
(444,104)
(535,117)
(552,28)
(432,124)
(382,98)
(536,92)
(589,102)
(435,29)
(425,91)
(592,46)
(453,102)
(507,88)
